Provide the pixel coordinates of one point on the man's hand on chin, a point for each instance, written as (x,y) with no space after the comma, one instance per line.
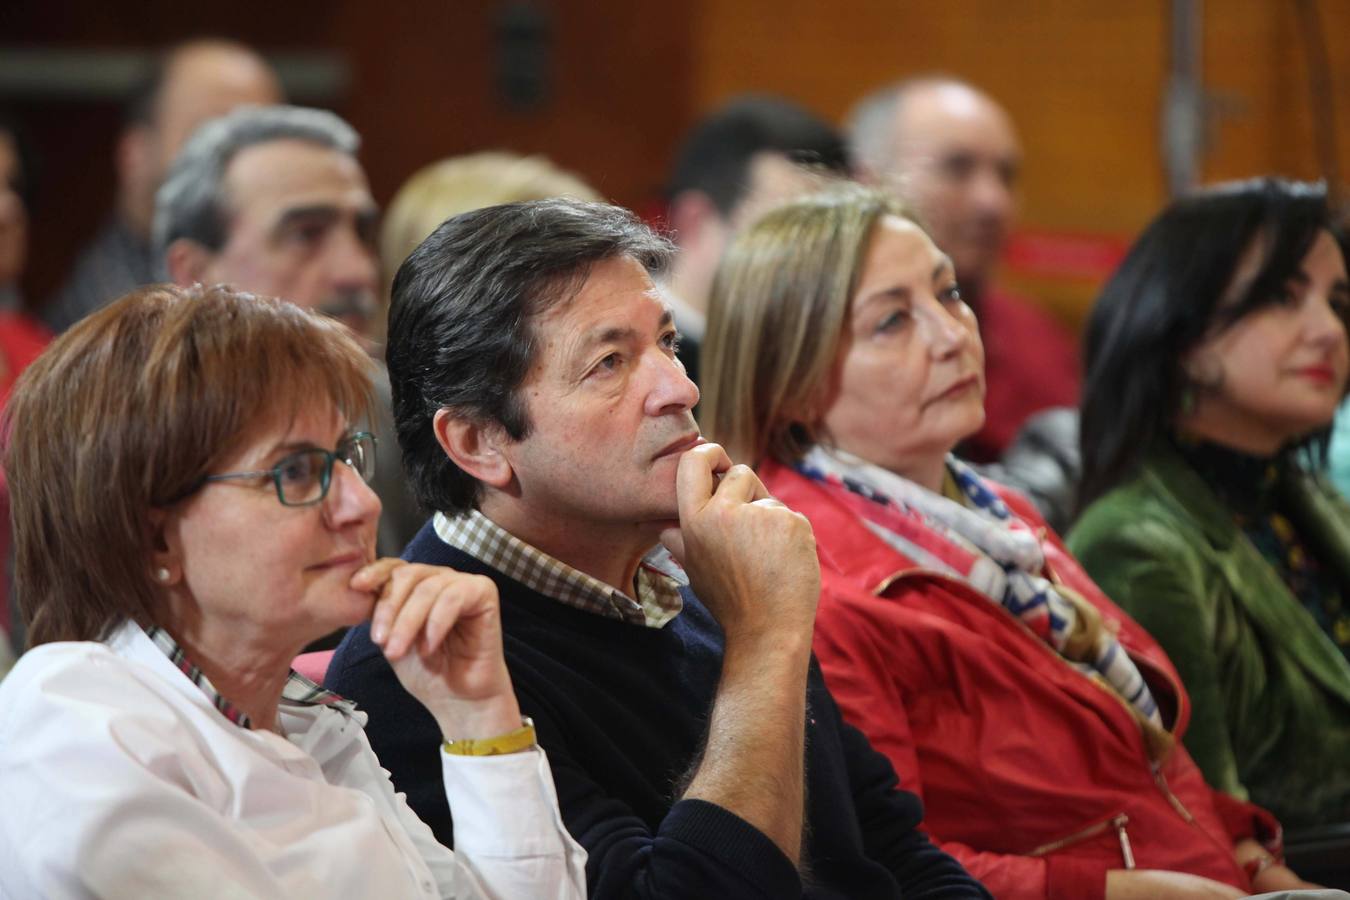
(751,560)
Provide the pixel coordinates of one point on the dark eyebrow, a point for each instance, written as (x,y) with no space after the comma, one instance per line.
(367,221)
(616,334)
(319,212)
(611,335)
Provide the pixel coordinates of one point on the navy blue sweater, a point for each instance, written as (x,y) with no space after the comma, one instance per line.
(622,711)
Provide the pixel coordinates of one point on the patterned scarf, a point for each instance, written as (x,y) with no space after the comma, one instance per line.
(988,548)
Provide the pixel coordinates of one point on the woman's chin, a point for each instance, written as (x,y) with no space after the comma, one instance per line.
(347,610)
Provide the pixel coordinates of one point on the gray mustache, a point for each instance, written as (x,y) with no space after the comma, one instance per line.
(354,303)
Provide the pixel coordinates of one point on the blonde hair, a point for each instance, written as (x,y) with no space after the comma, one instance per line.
(776,318)
(128,411)
(463,183)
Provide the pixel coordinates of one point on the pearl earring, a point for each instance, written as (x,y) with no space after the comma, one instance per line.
(162,574)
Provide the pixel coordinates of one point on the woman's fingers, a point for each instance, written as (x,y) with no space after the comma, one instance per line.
(445,614)
(392,592)
(421,603)
(412,615)
(466,607)
(372,576)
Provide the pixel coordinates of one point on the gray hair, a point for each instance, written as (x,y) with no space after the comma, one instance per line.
(869,125)
(191,201)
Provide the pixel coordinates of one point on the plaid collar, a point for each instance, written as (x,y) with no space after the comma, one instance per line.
(657,584)
(298,690)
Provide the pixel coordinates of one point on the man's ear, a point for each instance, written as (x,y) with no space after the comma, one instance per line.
(187,262)
(134,157)
(475,448)
(691,213)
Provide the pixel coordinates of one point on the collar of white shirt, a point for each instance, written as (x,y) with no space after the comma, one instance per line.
(147,644)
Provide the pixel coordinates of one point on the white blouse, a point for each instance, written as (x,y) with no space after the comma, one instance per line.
(119,779)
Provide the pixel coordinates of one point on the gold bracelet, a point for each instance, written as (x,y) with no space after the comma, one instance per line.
(523,738)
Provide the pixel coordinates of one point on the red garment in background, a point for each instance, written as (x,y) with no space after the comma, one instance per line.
(21,341)
(1030,364)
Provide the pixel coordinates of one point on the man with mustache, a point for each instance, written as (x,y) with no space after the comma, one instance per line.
(272,200)
(543,413)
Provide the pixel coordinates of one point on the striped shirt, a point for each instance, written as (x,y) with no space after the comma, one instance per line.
(656,587)
(298,689)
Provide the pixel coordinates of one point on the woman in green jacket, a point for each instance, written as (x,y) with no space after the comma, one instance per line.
(1216,357)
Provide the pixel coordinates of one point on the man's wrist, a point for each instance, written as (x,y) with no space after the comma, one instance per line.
(775,635)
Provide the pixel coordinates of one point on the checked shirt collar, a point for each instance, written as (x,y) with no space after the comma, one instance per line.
(657,585)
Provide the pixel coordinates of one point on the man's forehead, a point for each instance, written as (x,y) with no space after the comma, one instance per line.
(953,118)
(616,293)
(284,173)
(207,80)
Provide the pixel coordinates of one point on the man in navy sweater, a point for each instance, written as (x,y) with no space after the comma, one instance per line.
(544,416)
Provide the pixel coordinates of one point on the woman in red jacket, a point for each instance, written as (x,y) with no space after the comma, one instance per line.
(1038,722)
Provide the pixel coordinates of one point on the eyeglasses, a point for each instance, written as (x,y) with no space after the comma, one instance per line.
(302,479)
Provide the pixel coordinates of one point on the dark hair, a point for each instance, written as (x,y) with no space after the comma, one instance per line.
(461,320)
(715,158)
(127,411)
(1163,301)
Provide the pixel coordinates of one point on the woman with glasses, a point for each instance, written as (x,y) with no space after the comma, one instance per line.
(1216,359)
(191,510)
(1034,718)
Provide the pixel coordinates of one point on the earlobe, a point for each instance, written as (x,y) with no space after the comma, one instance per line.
(132,157)
(475,448)
(166,562)
(1203,369)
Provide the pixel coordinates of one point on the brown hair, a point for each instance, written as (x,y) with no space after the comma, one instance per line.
(128,411)
(779,306)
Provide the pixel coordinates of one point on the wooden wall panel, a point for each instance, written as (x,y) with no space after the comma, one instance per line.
(423,86)
(1083,81)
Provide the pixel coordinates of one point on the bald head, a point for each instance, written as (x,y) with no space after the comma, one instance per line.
(206,79)
(951,152)
(192,83)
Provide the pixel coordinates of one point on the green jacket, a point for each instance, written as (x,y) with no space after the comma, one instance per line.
(1270,691)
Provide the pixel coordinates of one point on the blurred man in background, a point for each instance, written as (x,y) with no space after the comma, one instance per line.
(188,84)
(753,153)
